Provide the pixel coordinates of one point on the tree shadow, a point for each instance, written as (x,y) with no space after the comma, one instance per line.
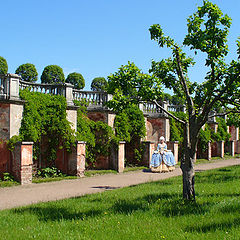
(222,175)
(127,207)
(212,227)
(57,213)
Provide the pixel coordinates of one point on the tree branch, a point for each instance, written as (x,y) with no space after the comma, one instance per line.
(223,114)
(184,84)
(168,113)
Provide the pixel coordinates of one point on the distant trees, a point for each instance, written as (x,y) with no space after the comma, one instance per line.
(28,72)
(52,74)
(3,66)
(99,84)
(76,79)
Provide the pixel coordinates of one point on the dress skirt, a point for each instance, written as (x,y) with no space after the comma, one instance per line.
(162,162)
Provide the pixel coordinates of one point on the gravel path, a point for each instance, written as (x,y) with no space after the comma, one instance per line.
(43,192)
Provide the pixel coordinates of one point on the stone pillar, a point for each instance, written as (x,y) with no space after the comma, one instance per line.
(68,93)
(118,157)
(173,146)
(232,148)
(209,151)
(22,162)
(148,149)
(220,149)
(76,159)
(72,116)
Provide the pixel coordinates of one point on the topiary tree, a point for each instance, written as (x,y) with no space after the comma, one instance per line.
(99,84)
(28,72)
(52,74)
(3,66)
(76,79)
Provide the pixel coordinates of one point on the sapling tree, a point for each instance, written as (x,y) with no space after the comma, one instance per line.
(207,33)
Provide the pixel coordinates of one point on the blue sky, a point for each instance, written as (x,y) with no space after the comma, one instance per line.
(96,37)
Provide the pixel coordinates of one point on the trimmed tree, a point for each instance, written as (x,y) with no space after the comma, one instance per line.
(99,84)
(3,66)
(76,79)
(207,33)
(52,74)
(28,72)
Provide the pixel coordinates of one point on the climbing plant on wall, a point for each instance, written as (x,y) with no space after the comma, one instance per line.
(44,117)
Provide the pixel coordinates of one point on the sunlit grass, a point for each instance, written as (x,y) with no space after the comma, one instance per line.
(147,211)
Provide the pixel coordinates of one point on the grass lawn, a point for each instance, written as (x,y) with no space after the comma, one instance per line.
(148,211)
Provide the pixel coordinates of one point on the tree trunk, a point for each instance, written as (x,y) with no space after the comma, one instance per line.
(187,162)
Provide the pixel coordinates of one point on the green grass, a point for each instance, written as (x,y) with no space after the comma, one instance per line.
(147,211)
(8,184)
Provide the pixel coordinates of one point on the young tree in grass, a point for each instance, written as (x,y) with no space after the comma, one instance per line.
(99,84)
(76,79)
(3,66)
(207,33)
(28,72)
(52,74)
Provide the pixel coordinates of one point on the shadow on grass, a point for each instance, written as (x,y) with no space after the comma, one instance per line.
(57,214)
(128,207)
(221,175)
(212,227)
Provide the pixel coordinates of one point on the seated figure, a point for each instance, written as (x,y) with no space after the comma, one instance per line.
(162,159)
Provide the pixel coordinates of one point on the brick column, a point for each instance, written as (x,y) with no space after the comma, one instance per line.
(149,148)
(118,157)
(232,148)
(209,151)
(220,149)
(76,159)
(22,162)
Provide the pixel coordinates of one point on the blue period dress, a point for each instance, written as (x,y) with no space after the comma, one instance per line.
(162,159)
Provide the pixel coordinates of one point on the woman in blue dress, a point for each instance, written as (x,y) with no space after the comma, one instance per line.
(162,159)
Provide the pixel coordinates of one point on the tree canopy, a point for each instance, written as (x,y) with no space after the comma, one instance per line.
(28,72)
(99,84)
(3,66)
(52,74)
(76,79)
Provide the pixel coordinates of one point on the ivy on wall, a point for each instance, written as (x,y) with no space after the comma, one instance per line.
(44,116)
(99,137)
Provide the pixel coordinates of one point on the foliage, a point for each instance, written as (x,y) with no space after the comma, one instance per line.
(98,136)
(99,84)
(130,85)
(49,172)
(28,72)
(76,79)
(233,119)
(8,177)
(204,138)
(222,131)
(129,124)
(122,126)
(44,117)
(3,66)
(52,74)
(176,129)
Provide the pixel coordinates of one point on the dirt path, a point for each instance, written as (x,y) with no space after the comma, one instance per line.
(24,195)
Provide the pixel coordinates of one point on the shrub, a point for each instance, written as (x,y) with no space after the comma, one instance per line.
(28,72)
(3,66)
(52,74)
(76,79)
(99,84)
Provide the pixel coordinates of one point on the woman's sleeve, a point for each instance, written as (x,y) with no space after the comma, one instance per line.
(165,147)
(158,147)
